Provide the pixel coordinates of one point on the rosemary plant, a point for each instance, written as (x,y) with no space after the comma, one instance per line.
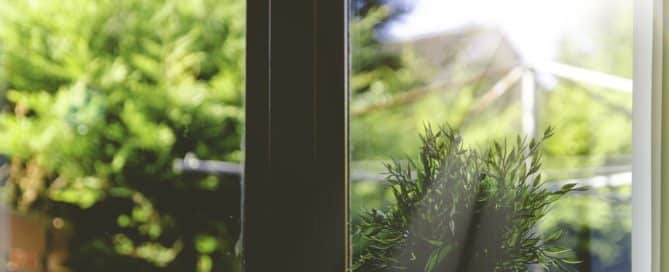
(458,209)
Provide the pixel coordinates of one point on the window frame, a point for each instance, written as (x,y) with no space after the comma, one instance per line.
(295,203)
(647,134)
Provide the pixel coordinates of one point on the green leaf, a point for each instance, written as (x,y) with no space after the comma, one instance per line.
(436,257)
(572,261)
(556,250)
(554,236)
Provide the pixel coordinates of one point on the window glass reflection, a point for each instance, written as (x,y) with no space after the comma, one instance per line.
(447,95)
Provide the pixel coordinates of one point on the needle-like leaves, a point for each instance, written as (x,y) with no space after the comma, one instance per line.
(458,209)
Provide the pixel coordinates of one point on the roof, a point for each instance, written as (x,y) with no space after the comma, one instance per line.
(471,50)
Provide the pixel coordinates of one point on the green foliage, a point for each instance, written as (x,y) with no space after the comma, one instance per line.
(456,209)
(378,75)
(584,139)
(377,71)
(102,97)
(597,226)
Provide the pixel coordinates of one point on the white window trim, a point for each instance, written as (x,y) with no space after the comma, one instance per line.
(646,175)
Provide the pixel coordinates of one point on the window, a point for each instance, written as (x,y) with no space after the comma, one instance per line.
(480,76)
(309,64)
(251,135)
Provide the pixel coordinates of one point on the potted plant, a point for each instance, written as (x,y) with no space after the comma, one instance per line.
(459,209)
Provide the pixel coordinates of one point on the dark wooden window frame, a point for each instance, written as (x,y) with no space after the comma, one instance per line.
(295,205)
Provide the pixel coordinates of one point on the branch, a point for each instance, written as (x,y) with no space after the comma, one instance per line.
(414,95)
(500,88)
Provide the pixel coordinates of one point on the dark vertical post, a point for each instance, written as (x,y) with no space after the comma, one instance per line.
(296,191)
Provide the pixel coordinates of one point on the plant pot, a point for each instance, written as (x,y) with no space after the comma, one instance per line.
(32,242)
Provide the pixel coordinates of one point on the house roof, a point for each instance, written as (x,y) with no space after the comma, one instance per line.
(468,50)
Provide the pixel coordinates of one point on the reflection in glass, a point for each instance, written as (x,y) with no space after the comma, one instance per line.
(120,134)
(488,71)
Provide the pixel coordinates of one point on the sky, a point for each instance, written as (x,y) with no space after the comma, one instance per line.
(534,26)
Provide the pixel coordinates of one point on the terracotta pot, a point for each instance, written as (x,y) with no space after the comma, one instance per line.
(32,243)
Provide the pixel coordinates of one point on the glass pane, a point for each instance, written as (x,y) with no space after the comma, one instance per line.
(491,135)
(120,134)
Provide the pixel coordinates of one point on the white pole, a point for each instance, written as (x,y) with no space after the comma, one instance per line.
(528,97)
(529,120)
(586,76)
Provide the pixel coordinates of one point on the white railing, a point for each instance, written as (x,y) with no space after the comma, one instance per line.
(607,176)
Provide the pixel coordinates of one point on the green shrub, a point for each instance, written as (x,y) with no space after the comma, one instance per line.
(456,209)
(102,96)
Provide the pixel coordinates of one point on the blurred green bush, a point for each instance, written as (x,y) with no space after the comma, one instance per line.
(101,97)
